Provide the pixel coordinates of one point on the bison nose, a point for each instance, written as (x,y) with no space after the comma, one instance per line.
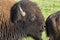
(42,28)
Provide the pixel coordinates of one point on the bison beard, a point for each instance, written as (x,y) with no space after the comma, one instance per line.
(16,25)
(53,26)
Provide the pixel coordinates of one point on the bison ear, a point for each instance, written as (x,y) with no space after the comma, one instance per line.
(15,15)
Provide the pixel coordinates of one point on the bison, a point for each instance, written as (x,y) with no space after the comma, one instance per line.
(20,19)
(53,26)
(29,18)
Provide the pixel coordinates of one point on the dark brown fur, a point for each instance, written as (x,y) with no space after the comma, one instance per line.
(33,23)
(53,26)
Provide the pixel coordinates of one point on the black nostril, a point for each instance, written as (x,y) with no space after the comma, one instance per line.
(42,28)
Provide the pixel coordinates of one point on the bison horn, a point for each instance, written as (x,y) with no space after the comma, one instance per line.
(22,12)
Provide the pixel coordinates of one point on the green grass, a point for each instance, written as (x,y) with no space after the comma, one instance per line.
(47,7)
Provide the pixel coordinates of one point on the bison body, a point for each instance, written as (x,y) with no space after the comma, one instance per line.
(53,26)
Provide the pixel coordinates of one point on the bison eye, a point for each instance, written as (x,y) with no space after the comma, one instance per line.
(33,18)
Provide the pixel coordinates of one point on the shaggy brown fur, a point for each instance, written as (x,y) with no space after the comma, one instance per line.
(32,24)
(7,28)
(53,26)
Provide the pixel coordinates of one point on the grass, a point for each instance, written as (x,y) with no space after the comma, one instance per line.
(47,7)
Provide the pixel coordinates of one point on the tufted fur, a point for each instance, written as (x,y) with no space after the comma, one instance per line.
(8,30)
